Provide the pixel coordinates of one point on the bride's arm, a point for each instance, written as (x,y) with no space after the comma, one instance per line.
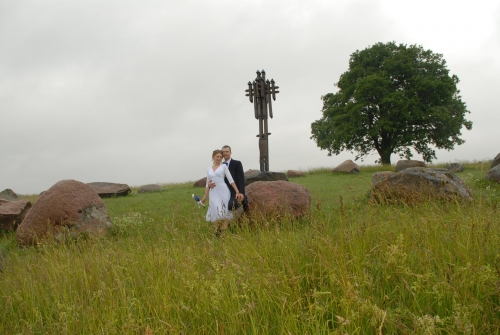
(207,188)
(231,181)
(205,195)
(235,188)
(228,174)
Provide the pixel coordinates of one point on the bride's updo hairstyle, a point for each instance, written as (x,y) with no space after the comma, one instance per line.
(216,151)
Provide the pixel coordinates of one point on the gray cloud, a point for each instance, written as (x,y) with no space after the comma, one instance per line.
(142,92)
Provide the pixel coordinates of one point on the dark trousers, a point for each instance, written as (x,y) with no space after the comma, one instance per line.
(234,204)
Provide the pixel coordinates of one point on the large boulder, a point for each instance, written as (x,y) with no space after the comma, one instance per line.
(494,174)
(409,163)
(107,190)
(201,182)
(275,199)
(68,208)
(496,161)
(150,188)
(8,194)
(294,173)
(12,213)
(265,176)
(416,184)
(347,166)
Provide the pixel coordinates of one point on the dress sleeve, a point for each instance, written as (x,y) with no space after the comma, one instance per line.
(240,178)
(228,175)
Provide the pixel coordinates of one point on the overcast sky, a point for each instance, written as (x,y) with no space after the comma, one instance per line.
(141,92)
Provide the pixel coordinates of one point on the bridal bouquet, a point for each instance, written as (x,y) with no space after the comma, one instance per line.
(197,199)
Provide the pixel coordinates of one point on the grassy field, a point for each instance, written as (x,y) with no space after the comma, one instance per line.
(351,267)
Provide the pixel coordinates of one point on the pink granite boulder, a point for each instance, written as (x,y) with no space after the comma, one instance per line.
(347,166)
(294,173)
(276,199)
(68,208)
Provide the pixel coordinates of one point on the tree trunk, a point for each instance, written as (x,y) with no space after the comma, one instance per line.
(385,157)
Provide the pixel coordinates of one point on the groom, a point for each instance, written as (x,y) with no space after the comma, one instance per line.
(236,169)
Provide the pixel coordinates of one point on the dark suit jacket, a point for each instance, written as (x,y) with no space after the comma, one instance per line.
(236,170)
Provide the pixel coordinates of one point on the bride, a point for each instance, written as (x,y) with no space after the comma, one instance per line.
(219,195)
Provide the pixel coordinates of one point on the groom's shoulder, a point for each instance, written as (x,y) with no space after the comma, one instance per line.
(236,161)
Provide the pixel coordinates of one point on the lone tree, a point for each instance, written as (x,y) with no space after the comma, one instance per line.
(391,99)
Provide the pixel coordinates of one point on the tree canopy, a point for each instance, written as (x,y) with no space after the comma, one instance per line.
(391,99)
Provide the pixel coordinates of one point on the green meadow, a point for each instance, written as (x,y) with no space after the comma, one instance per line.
(351,267)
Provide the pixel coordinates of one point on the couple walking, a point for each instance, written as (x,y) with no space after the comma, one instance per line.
(225,186)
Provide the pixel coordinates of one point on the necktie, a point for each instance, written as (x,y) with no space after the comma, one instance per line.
(226,163)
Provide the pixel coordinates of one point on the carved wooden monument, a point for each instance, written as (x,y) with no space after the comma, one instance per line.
(260,93)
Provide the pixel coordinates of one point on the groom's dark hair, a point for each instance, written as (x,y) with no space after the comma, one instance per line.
(227,146)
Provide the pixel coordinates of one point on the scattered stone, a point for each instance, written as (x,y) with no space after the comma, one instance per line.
(409,163)
(347,166)
(455,167)
(265,176)
(295,173)
(496,161)
(107,190)
(416,184)
(8,194)
(201,183)
(12,213)
(274,199)
(150,188)
(494,174)
(251,173)
(68,209)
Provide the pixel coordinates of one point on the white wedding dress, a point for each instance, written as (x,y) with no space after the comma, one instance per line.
(219,195)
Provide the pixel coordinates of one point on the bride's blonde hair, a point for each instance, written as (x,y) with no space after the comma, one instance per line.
(216,151)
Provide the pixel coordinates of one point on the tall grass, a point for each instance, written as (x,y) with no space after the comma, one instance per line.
(351,267)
